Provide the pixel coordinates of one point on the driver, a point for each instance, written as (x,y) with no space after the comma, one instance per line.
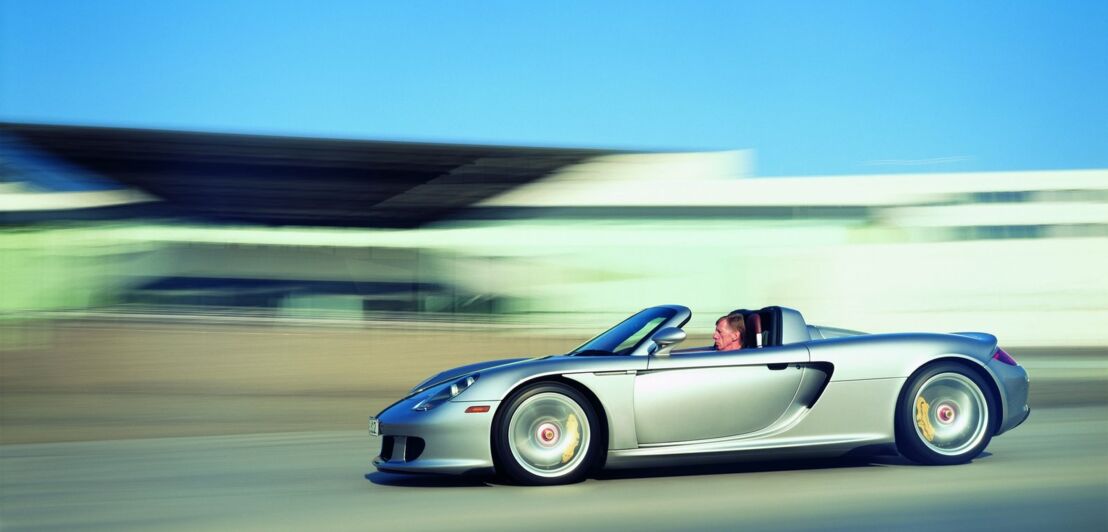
(730,330)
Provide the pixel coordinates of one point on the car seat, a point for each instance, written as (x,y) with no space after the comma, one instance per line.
(753,330)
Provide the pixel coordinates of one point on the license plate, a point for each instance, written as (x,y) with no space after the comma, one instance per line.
(374,427)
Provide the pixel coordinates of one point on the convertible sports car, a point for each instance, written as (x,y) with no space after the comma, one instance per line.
(627,399)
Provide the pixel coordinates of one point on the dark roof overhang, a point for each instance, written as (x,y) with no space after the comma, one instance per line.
(277,180)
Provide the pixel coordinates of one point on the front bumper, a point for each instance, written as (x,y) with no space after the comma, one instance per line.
(443,440)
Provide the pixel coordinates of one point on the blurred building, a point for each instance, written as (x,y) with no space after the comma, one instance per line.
(194,222)
(122,196)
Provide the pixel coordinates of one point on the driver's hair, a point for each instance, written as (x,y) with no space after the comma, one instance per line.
(736,323)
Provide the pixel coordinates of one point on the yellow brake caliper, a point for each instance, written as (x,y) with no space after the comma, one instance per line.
(923,421)
(574,437)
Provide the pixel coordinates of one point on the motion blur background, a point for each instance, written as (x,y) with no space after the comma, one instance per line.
(231,218)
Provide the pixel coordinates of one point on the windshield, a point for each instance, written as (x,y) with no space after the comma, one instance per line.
(625,337)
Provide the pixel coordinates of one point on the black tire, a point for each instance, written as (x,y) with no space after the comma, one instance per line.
(947,428)
(538,400)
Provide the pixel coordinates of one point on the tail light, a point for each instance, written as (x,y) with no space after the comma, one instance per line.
(1004,357)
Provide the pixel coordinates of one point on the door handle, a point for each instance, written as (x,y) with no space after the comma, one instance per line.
(777,367)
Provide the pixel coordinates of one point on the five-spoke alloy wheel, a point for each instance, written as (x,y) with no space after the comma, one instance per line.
(946,415)
(546,433)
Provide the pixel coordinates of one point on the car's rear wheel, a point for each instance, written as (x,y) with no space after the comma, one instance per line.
(546,433)
(945,416)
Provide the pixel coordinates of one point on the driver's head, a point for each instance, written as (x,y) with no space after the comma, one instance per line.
(729,332)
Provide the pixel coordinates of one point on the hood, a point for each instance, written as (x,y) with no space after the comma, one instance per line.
(457,372)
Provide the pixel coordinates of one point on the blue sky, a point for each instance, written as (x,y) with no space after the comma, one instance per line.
(814,87)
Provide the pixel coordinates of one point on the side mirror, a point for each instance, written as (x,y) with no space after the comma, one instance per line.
(666,339)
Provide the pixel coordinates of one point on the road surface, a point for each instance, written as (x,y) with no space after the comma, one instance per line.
(1050,473)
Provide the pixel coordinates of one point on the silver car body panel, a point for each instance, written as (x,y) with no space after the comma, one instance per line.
(454,442)
(715,394)
(1014,387)
(793,328)
(455,373)
(816,431)
(823,391)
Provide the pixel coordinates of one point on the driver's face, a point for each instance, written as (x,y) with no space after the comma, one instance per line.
(724,335)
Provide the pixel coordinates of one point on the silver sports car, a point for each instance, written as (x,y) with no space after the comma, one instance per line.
(627,399)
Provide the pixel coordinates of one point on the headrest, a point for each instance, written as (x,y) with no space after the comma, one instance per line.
(753,330)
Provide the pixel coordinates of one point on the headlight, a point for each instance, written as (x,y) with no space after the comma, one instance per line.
(446,393)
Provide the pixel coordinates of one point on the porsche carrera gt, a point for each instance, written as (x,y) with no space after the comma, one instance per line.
(627,398)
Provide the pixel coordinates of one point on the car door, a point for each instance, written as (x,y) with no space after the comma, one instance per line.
(709,394)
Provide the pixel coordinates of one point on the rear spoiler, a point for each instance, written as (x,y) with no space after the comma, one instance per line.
(984,338)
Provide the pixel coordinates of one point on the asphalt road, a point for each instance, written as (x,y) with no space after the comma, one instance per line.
(1050,473)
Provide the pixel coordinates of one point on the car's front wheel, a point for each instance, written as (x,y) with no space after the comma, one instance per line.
(546,433)
(945,416)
